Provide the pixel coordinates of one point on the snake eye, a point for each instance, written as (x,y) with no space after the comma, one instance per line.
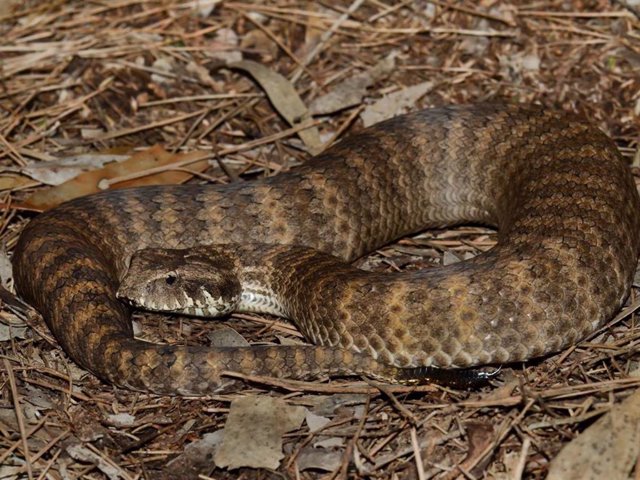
(171,279)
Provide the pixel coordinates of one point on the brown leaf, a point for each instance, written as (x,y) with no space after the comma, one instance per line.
(253,432)
(480,435)
(10,181)
(395,103)
(226,337)
(196,458)
(607,449)
(350,92)
(90,182)
(319,459)
(225,46)
(59,171)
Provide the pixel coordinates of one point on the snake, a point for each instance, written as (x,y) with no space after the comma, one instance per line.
(561,196)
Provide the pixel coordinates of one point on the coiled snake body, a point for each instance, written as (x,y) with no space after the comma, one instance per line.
(564,201)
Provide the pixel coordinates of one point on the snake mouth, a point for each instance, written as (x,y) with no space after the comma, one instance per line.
(142,303)
(207,306)
(136,303)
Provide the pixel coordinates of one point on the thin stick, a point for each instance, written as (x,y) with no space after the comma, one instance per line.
(417,455)
(324,39)
(475,13)
(19,417)
(522,459)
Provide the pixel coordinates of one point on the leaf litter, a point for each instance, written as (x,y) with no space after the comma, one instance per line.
(81,80)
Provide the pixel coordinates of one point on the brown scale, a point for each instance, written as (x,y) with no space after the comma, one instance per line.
(558,190)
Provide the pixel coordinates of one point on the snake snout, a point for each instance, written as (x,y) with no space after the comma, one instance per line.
(180,281)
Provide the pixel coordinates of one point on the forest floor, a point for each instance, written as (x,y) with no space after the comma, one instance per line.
(84,83)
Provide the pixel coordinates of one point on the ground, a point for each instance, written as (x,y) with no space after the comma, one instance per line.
(114,78)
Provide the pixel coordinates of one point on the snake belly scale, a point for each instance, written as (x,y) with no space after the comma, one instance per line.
(557,189)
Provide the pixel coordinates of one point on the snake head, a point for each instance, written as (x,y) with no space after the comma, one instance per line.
(199,281)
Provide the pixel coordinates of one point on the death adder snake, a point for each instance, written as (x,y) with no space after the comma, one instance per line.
(559,192)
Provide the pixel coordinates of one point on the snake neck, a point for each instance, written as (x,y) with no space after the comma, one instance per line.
(258,295)
(271,277)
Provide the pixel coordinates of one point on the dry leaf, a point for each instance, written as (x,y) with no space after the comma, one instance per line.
(8,419)
(284,98)
(395,103)
(479,435)
(39,398)
(8,332)
(10,181)
(164,64)
(260,43)
(607,449)
(120,420)
(92,133)
(83,454)
(449,258)
(6,269)
(59,171)
(319,459)
(89,182)
(196,458)
(55,359)
(253,432)
(515,65)
(496,471)
(205,7)
(328,405)
(201,73)
(288,340)
(7,470)
(351,91)
(225,46)
(315,423)
(504,391)
(226,337)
